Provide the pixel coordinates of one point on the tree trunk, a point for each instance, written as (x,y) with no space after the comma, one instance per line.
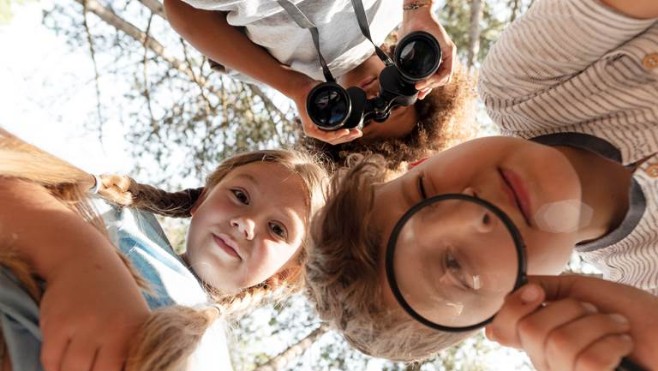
(514,4)
(474,33)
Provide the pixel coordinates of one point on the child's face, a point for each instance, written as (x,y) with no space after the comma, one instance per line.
(366,76)
(518,176)
(247,227)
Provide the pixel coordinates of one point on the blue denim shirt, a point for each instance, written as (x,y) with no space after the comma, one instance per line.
(141,239)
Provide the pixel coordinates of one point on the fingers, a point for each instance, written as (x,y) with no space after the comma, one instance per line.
(332,137)
(79,356)
(592,342)
(567,334)
(110,359)
(517,306)
(442,76)
(605,354)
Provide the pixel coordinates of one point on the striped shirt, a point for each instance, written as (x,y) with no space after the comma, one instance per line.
(574,72)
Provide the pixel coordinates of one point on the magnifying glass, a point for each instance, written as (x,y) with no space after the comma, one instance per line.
(451,260)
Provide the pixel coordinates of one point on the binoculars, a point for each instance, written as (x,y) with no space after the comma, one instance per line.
(331,107)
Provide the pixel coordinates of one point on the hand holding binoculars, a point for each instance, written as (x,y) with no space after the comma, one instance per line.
(331,107)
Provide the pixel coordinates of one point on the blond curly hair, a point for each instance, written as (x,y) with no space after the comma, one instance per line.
(343,272)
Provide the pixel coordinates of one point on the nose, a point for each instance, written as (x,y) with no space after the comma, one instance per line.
(482,219)
(245,226)
(373,91)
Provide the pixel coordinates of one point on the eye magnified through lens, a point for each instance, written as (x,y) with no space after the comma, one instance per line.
(452,259)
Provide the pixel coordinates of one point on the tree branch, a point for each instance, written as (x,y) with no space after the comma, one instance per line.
(110,17)
(279,361)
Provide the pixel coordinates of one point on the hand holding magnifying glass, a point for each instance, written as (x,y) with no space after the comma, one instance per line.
(470,256)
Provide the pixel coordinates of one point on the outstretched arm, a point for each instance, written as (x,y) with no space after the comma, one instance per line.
(92,306)
(417,15)
(210,34)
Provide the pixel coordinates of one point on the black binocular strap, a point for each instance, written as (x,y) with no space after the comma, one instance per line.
(302,20)
(362,19)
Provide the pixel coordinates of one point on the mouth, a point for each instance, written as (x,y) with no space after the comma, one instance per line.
(226,244)
(517,193)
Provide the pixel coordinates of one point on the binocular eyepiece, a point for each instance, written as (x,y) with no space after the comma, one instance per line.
(331,107)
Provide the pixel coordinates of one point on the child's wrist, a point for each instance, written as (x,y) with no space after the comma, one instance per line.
(412,5)
(416,11)
(297,84)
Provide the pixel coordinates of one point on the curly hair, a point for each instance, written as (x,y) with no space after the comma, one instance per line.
(442,117)
(343,274)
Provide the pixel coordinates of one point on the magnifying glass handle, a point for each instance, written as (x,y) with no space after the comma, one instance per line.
(628,365)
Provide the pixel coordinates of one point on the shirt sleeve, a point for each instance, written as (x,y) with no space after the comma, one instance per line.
(553,41)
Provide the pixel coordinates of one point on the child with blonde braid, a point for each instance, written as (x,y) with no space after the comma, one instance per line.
(70,300)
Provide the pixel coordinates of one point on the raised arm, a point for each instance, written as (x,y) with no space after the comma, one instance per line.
(91,306)
(210,34)
(417,15)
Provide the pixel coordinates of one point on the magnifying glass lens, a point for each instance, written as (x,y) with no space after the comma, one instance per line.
(453,261)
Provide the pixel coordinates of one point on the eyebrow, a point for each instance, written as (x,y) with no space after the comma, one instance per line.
(248,177)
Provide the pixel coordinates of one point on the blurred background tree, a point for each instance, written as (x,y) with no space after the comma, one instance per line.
(181,118)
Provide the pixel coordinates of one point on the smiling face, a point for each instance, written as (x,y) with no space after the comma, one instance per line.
(522,178)
(247,227)
(366,76)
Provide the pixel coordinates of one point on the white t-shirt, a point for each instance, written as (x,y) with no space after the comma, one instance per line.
(342,44)
(576,73)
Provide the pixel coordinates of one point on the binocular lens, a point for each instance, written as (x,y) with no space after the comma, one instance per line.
(418,56)
(328,106)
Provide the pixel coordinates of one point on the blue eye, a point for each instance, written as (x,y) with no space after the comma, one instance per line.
(241,196)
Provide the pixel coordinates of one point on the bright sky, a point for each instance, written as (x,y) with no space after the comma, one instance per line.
(47,95)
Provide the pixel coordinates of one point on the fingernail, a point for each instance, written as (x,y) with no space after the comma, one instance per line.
(591,308)
(619,318)
(529,294)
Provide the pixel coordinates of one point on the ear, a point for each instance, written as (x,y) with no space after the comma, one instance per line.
(199,201)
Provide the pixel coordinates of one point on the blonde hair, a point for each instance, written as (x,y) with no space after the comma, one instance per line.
(342,273)
(171,334)
(126,191)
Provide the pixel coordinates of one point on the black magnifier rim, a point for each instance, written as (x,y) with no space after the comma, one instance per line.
(521,277)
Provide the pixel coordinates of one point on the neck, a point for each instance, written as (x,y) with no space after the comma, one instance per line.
(605,186)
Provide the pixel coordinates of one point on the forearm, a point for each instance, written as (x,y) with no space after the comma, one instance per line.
(47,234)
(641,9)
(210,33)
